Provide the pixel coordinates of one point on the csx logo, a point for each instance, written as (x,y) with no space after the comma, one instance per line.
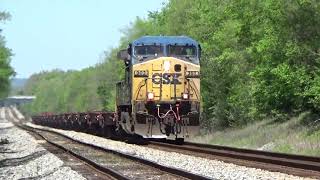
(166,78)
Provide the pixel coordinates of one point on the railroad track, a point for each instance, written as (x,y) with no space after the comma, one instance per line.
(286,163)
(299,165)
(118,165)
(82,167)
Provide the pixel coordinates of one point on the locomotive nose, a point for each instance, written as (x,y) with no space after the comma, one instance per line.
(167,79)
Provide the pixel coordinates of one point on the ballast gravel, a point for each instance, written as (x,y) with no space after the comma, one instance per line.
(10,116)
(18,114)
(2,113)
(211,168)
(22,157)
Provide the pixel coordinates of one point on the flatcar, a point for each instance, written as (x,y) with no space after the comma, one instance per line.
(159,96)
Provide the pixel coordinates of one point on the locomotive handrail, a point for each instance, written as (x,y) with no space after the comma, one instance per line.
(145,82)
(194,88)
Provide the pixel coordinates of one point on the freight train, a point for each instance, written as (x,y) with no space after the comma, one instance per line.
(159,96)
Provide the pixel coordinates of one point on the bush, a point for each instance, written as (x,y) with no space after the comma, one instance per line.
(309,118)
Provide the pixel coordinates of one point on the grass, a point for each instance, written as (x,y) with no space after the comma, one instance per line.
(287,137)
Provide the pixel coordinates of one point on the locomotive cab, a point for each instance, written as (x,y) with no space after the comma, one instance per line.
(160,94)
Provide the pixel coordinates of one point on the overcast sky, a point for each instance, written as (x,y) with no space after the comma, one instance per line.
(66,34)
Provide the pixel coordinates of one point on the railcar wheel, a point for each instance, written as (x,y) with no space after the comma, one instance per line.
(109,131)
(79,125)
(101,128)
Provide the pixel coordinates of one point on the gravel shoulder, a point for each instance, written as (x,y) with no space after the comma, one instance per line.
(206,167)
(22,156)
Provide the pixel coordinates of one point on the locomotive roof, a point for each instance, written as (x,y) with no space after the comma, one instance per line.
(165,40)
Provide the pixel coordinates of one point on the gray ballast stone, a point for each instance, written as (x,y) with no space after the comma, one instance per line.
(21,156)
(206,167)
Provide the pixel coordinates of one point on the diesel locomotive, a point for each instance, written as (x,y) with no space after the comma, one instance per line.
(159,96)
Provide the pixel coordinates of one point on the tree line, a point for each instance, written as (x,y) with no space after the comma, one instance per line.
(260,59)
(6,71)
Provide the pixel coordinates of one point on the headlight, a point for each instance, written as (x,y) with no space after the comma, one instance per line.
(141,73)
(185,96)
(192,74)
(150,96)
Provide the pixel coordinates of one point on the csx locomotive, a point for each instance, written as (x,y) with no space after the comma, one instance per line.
(160,94)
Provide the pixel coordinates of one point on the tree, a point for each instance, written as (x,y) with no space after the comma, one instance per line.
(6,70)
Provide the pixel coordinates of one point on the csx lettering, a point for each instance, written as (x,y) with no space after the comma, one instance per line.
(167,78)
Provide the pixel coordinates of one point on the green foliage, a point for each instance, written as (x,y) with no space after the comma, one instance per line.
(6,70)
(260,58)
(108,74)
(308,119)
(74,91)
(313,93)
(4,16)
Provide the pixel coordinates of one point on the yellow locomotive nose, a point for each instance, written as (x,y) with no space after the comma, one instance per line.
(165,80)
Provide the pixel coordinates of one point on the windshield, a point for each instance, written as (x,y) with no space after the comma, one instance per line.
(148,50)
(182,51)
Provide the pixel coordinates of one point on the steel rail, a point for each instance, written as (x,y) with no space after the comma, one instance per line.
(84,159)
(301,165)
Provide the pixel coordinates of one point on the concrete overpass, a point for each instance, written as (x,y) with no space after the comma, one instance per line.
(16,100)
